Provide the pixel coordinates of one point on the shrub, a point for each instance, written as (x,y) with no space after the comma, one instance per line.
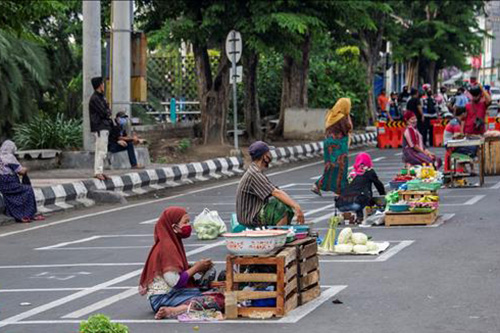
(45,132)
(184,145)
(101,324)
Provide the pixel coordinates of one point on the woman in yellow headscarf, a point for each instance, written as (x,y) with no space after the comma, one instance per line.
(338,125)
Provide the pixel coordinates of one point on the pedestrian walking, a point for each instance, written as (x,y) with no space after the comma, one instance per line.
(338,125)
(100,125)
(19,197)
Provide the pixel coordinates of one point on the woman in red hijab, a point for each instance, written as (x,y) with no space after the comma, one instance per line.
(167,279)
(414,152)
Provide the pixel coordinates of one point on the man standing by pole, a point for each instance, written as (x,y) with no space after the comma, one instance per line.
(100,125)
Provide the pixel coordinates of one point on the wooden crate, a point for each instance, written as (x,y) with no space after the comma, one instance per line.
(285,281)
(410,218)
(492,156)
(415,195)
(308,274)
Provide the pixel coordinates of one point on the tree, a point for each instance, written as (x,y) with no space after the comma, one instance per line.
(204,24)
(441,34)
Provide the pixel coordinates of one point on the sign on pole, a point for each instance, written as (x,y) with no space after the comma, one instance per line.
(238,75)
(234,48)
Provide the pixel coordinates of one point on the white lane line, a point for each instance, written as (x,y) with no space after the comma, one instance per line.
(83,293)
(399,154)
(381,258)
(67,299)
(88,239)
(287,186)
(149,221)
(104,264)
(31,290)
(393,251)
(297,314)
(131,247)
(378,159)
(291,318)
(474,200)
(101,304)
(322,218)
(5,234)
(314,211)
(495,187)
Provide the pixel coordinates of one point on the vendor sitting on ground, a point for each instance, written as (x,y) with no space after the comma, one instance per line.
(358,193)
(414,152)
(258,201)
(119,140)
(167,278)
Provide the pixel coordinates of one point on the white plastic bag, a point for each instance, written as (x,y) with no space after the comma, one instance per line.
(208,225)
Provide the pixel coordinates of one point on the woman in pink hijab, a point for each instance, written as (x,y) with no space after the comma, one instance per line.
(358,193)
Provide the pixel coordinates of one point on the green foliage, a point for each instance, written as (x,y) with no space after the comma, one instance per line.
(24,70)
(440,31)
(49,132)
(101,324)
(269,83)
(337,75)
(184,145)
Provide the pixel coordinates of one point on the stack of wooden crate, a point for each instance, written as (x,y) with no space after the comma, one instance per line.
(294,272)
(283,266)
(307,269)
(409,217)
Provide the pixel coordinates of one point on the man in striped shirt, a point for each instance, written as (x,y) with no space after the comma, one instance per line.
(258,201)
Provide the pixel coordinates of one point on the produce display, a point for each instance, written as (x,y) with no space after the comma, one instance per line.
(354,242)
(208,225)
(328,244)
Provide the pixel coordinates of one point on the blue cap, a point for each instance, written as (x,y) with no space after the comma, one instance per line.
(258,149)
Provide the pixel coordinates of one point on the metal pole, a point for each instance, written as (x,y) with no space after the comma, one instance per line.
(235,104)
(121,34)
(91,62)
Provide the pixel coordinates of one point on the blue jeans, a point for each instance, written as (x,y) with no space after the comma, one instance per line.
(114,147)
(352,207)
(174,297)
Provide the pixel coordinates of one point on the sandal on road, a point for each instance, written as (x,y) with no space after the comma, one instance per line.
(101,177)
(316,190)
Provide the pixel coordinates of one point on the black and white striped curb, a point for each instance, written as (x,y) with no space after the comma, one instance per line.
(66,196)
(300,152)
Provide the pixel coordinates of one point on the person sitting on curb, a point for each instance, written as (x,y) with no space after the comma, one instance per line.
(258,201)
(19,196)
(119,140)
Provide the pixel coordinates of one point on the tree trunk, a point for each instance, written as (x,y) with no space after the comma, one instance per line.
(295,78)
(412,73)
(251,103)
(213,94)
(371,115)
